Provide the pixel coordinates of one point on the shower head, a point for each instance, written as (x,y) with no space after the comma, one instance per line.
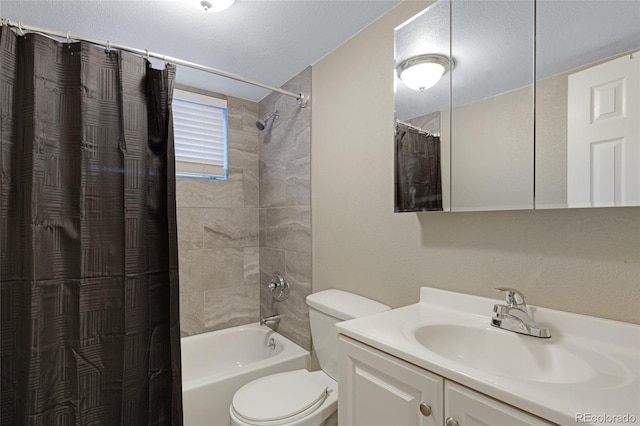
(261,124)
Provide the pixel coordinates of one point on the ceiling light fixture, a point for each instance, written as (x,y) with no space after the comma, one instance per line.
(423,71)
(216,5)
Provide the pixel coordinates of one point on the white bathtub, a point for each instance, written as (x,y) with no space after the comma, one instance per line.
(216,364)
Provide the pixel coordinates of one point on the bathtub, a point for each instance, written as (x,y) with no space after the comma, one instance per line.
(216,364)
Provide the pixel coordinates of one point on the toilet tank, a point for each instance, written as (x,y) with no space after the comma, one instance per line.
(328,307)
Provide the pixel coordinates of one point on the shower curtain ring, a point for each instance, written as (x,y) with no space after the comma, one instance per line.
(20,28)
(108,47)
(147,50)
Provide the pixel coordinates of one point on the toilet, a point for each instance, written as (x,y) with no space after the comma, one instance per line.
(302,397)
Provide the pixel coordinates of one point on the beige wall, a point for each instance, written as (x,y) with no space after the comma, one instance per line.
(585,261)
(488,135)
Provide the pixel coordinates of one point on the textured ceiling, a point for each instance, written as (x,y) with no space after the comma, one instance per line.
(272,40)
(269,41)
(492,43)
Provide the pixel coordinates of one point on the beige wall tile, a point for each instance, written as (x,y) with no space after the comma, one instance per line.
(294,323)
(296,268)
(298,183)
(191,192)
(295,308)
(231,306)
(242,114)
(285,209)
(263,227)
(271,261)
(285,141)
(207,269)
(190,228)
(243,149)
(251,265)
(273,185)
(250,185)
(289,228)
(192,313)
(230,228)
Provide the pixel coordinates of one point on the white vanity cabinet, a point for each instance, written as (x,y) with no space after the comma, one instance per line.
(378,389)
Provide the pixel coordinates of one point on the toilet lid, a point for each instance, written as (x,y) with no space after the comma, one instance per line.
(278,397)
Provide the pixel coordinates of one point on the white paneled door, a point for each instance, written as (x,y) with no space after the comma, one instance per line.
(603,165)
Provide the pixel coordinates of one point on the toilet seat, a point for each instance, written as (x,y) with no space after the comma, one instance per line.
(280,398)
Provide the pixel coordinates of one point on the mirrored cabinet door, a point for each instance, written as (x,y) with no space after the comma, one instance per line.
(492,111)
(587,104)
(483,152)
(422,153)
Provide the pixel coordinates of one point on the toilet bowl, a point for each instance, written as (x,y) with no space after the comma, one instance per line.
(301,397)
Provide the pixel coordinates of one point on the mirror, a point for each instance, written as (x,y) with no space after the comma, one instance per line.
(587,104)
(422,149)
(488,143)
(492,105)
(483,108)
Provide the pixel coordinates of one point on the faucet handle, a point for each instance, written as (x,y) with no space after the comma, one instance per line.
(514,297)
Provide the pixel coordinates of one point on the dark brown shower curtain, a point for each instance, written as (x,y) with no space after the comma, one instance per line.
(418,170)
(89,275)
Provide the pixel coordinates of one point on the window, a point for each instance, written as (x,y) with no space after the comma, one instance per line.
(200,132)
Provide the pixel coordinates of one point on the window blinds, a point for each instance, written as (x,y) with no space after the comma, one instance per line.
(200,132)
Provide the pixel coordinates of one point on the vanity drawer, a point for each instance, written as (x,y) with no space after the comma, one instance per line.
(468,408)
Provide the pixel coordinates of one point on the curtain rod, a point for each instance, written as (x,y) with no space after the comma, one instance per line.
(302,98)
(418,129)
(411,126)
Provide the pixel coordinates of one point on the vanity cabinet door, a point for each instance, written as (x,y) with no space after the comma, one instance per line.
(464,407)
(376,389)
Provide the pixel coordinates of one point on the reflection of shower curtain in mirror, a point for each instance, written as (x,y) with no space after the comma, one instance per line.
(418,175)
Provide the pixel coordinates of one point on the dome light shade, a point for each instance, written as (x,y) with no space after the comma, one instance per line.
(216,5)
(423,71)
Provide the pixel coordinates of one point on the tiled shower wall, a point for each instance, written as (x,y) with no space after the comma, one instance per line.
(218,234)
(285,207)
(233,235)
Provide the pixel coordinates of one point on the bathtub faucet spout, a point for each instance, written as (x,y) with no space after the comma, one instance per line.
(270,319)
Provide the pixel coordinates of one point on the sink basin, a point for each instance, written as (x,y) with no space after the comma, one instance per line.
(504,353)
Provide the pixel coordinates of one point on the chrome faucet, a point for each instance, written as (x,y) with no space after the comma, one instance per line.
(270,319)
(514,316)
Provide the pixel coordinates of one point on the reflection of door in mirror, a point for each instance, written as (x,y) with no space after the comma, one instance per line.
(603,139)
(586,121)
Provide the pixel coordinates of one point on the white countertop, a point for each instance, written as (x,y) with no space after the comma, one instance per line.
(610,348)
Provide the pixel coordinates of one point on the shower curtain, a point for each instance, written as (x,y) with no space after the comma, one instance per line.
(89,276)
(418,170)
